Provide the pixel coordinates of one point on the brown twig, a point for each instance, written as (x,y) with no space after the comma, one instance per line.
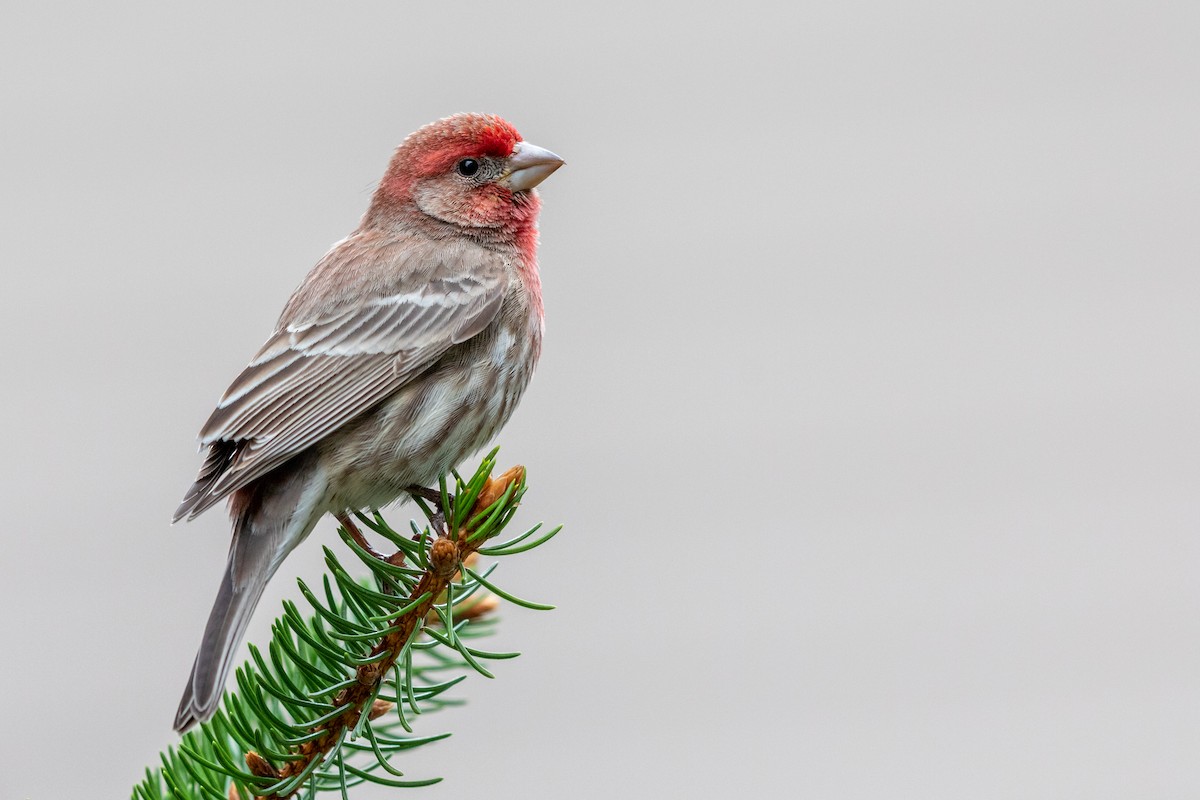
(445,555)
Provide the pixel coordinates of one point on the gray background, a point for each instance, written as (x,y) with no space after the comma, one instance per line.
(869,396)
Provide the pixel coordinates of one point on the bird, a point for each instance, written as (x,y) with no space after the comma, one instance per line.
(404,350)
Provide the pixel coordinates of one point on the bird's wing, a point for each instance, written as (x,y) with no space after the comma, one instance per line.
(312,377)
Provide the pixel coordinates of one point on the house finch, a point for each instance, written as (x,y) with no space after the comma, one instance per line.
(403,351)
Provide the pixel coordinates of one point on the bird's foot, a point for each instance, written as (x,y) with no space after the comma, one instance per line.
(396,558)
(435,513)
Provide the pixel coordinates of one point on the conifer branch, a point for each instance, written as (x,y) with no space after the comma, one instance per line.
(329,704)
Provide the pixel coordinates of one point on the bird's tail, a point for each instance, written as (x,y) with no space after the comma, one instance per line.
(231,613)
(269,520)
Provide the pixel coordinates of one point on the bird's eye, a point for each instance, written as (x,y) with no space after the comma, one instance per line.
(468,167)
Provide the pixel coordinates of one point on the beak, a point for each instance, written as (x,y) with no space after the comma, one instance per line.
(528,166)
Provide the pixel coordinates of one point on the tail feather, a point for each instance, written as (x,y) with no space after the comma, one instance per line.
(227,623)
(270,518)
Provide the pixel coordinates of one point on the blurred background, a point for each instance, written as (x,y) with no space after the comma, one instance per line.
(869,396)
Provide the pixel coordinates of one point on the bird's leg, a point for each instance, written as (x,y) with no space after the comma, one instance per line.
(437,518)
(425,493)
(361,540)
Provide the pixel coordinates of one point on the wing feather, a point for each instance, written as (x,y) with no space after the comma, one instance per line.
(316,374)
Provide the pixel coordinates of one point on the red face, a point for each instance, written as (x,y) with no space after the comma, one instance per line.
(439,146)
(471,170)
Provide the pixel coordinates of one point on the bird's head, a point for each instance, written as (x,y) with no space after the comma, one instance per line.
(470,170)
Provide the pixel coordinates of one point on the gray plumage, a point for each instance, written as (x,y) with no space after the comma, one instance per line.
(415,299)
